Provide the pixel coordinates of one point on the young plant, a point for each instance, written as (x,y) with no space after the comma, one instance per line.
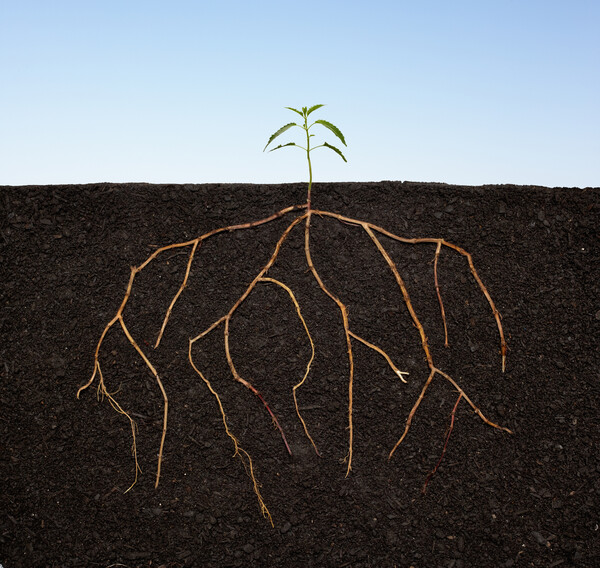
(303,214)
(304,113)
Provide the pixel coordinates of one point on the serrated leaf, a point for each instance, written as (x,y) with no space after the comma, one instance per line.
(313,108)
(295,110)
(336,150)
(282,146)
(333,129)
(280,131)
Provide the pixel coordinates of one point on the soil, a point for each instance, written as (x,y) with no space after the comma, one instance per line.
(497,500)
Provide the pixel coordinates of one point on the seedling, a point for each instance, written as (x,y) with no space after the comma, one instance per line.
(304,114)
(305,211)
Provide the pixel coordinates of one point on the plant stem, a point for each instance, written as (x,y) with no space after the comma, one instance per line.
(309,164)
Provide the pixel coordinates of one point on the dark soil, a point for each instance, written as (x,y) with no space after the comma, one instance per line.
(528,499)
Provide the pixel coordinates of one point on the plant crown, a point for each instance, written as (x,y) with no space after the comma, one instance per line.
(304,113)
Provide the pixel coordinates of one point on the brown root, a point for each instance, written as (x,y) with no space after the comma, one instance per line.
(372,231)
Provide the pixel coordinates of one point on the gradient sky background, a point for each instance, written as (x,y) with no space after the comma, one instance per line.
(462,92)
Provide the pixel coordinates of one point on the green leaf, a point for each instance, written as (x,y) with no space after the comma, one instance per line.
(336,150)
(295,110)
(313,108)
(280,131)
(333,129)
(282,146)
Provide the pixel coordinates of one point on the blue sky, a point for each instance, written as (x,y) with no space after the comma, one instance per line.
(462,92)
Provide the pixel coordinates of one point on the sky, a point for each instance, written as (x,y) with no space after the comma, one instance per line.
(181,91)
